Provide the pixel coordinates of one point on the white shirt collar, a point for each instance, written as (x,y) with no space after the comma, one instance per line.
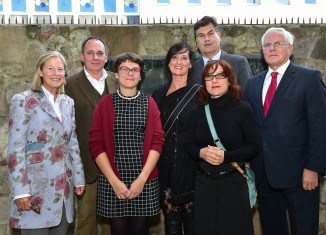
(90,77)
(281,70)
(99,85)
(50,96)
(55,104)
(215,57)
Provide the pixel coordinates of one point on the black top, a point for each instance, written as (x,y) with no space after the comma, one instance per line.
(176,168)
(235,127)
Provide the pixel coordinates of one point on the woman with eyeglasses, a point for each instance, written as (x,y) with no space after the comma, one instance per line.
(221,201)
(44,162)
(126,140)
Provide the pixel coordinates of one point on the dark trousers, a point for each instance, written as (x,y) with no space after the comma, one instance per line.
(302,207)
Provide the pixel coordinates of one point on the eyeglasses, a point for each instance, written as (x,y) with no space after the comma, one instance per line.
(126,70)
(275,45)
(218,76)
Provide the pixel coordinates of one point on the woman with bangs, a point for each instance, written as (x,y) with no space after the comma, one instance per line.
(175,100)
(221,200)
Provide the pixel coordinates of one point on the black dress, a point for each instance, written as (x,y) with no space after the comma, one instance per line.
(176,168)
(221,205)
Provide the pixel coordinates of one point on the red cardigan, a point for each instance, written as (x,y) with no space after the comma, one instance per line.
(101,133)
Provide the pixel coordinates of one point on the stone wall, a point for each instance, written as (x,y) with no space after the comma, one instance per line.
(20,46)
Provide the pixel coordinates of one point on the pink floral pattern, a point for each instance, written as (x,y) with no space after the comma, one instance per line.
(13,222)
(43,155)
(37,201)
(10,123)
(60,182)
(57,153)
(24,179)
(67,189)
(37,157)
(12,161)
(30,104)
(42,136)
(69,172)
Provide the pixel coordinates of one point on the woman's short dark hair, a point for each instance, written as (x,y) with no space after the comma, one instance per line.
(131,57)
(177,48)
(234,88)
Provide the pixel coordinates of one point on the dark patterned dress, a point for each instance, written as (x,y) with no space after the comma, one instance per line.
(129,127)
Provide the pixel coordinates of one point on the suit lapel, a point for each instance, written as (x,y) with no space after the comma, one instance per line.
(259,93)
(285,82)
(111,82)
(86,88)
(65,111)
(199,63)
(46,105)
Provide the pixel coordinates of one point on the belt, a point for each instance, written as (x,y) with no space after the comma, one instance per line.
(216,175)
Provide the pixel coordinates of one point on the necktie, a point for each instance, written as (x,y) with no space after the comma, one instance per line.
(270,92)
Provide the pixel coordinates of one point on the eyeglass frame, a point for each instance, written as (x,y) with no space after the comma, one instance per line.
(219,76)
(126,70)
(276,45)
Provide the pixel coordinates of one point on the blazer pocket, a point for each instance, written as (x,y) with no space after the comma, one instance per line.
(35,152)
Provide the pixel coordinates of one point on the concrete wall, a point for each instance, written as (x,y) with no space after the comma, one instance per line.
(20,47)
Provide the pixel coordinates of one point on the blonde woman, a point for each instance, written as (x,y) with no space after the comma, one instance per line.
(43,153)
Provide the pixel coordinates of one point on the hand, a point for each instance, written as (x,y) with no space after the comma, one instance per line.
(79,190)
(23,204)
(120,189)
(309,179)
(212,155)
(136,188)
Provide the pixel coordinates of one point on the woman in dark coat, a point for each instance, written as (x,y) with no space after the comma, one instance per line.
(176,168)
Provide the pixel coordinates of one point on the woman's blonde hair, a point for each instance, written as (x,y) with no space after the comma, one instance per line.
(38,80)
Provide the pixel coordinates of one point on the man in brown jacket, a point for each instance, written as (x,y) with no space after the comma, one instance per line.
(87,87)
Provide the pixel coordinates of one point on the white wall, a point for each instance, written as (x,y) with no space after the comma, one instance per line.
(268,9)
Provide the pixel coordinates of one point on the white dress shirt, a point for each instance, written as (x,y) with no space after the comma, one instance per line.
(99,85)
(268,78)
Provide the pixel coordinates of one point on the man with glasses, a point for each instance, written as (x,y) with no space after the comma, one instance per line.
(87,87)
(208,41)
(289,103)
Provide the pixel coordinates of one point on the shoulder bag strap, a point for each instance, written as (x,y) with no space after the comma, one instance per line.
(178,109)
(217,140)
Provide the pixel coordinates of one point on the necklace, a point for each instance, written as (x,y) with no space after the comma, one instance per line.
(128,97)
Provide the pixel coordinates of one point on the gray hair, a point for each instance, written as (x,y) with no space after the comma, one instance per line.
(38,80)
(289,37)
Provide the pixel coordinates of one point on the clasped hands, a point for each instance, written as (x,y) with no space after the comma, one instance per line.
(212,154)
(122,191)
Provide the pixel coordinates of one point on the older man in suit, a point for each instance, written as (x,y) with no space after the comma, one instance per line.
(289,103)
(208,41)
(87,87)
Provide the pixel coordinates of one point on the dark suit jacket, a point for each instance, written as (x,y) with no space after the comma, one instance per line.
(80,89)
(239,64)
(293,134)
